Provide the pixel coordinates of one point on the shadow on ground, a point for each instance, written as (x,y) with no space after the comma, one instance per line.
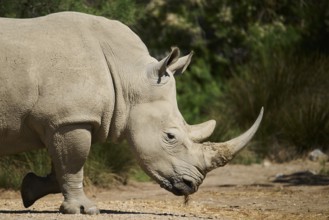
(141,213)
(303,178)
(27,212)
(112,212)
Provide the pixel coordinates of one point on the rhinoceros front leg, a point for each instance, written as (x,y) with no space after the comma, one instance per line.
(35,187)
(69,148)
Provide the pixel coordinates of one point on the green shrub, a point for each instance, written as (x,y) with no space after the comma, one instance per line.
(246,157)
(107,164)
(13,168)
(294,89)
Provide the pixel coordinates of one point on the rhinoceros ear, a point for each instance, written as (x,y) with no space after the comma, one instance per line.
(159,70)
(168,61)
(181,64)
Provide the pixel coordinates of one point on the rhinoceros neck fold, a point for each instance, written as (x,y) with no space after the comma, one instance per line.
(118,122)
(125,74)
(126,56)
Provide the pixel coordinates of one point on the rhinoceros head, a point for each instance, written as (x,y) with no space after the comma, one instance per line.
(170,150)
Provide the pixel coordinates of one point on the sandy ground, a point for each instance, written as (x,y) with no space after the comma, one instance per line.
(262,191)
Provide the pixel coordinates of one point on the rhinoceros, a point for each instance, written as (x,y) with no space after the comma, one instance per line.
(68,80)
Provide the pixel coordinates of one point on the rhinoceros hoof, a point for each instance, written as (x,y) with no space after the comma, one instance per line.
(28,189)
(83,206)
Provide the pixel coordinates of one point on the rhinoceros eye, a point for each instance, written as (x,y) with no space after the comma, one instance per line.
(170,136)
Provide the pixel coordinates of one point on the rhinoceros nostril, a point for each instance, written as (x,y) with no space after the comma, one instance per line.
(188,183)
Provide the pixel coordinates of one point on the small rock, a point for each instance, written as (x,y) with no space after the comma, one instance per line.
(317,155)
(279,175)
(267,163)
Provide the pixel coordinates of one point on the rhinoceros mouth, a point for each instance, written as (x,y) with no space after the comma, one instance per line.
(180,186)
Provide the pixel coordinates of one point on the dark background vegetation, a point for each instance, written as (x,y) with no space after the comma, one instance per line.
(248,54)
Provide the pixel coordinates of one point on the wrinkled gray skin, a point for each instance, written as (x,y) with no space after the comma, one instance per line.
(68,80)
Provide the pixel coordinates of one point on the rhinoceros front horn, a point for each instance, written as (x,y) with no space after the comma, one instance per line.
(218,154)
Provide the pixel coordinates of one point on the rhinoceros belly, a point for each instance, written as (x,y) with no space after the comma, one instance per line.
(18,94)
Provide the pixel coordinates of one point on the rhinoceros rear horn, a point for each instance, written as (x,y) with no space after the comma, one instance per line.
(201,131)
(218,154)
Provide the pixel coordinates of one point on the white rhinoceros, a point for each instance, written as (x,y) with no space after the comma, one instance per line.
(68,80)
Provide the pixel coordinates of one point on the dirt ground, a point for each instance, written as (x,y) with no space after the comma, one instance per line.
(260,191)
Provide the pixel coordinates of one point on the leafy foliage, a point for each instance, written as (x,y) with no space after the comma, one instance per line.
(124,10)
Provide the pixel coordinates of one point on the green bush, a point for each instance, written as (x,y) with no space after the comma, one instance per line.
(295,93)
(107,164)
(13,168)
